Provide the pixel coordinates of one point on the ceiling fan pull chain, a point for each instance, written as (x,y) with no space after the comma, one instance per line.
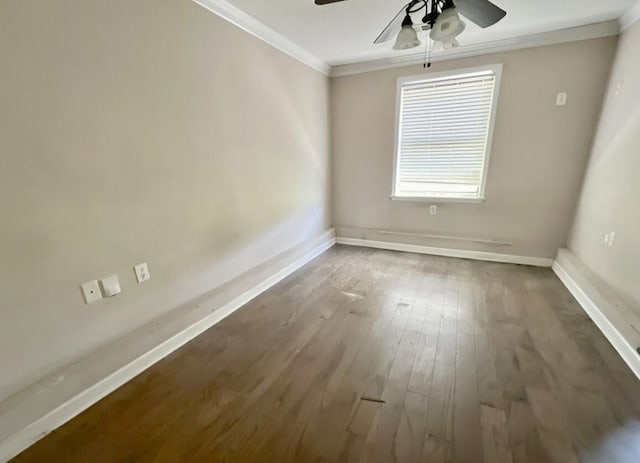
(427,54)
(429,42)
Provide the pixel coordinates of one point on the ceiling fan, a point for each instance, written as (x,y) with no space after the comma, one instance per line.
(441,18)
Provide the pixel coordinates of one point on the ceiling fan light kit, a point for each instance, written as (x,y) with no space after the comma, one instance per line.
(407,37)
(447,27)
(441,17)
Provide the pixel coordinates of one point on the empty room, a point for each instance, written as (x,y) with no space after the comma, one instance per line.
(324,231)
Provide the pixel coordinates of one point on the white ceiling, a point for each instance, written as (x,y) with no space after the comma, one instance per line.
(343,33)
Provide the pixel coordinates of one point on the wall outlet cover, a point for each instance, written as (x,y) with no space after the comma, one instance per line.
(561,99)
(612,239)
(142,272)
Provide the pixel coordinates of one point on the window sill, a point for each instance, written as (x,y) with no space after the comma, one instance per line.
(436,199)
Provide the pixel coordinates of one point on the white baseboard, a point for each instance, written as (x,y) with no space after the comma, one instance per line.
(461,253)
(36,411)
(601,305)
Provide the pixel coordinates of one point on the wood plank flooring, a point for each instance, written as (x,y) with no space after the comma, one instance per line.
(378,356)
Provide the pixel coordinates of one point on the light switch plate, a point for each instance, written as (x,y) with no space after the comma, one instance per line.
(91,291)
(142,272)
(561,99)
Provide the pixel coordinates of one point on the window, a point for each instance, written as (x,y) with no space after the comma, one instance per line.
(445,124)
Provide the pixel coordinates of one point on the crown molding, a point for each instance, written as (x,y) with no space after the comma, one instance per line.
(574,34)
(630,16)
(256,28)
(248,23)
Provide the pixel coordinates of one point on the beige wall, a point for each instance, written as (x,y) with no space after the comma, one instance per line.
(611,192)
(136,131)
(536,166)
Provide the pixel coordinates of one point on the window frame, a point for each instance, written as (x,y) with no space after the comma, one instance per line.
(497,70)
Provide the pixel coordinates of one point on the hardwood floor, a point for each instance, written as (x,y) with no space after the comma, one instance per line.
(378,356)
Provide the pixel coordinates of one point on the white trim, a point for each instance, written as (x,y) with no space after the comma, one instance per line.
(256,28)
(629,17)
(460,253)
(33,413)
(600,307)
(497,71)
(591,31)
(434,236)
(434,199)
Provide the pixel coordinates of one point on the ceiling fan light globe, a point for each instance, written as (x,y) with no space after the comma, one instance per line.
(447,27)
(407,38)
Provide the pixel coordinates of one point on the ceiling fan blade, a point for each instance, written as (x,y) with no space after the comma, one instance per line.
(326,2)
(482,12)
(393,27)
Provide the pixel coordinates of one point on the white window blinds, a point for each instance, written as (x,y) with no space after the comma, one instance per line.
(443,132)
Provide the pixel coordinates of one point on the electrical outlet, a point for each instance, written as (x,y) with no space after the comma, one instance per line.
(142,272)
(610,239)
(433,209)
(91,291)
